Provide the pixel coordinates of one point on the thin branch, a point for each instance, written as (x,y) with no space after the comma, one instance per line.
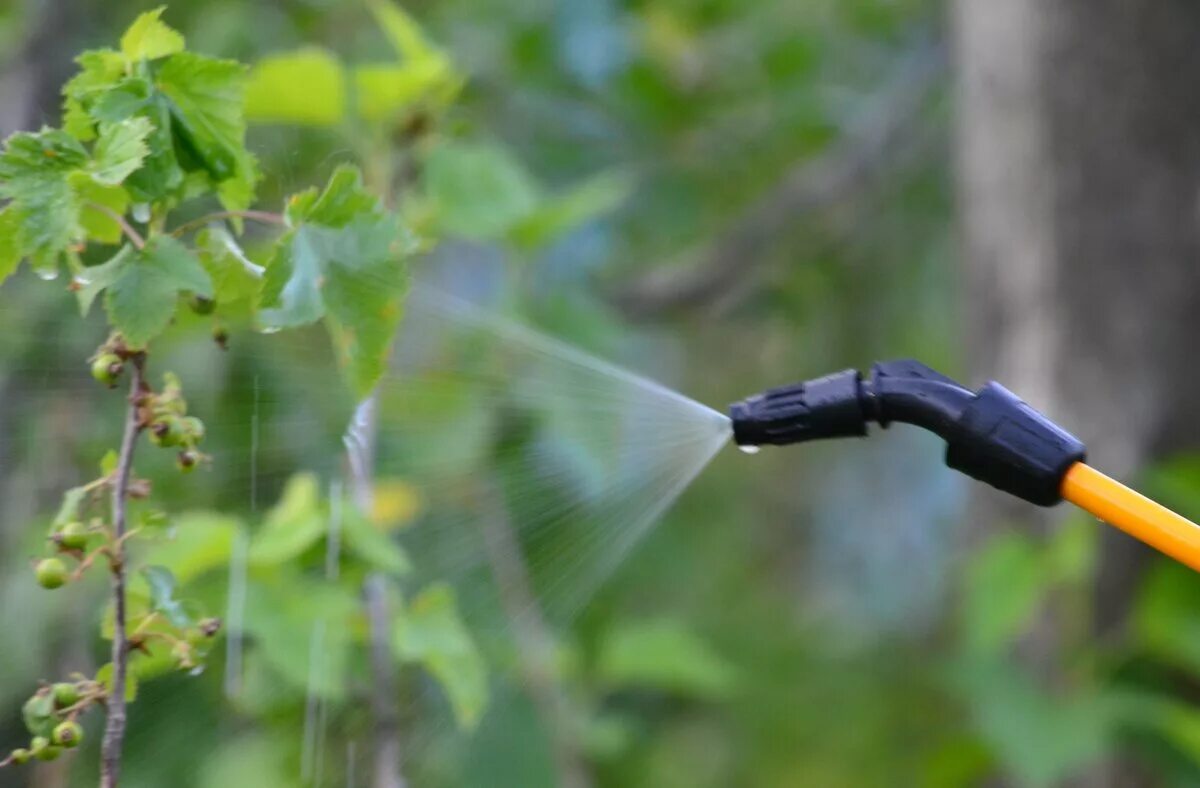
(265,217)
(532,639)
(867,148)
(133,235)
(360,440)
(114,723)
(386,717)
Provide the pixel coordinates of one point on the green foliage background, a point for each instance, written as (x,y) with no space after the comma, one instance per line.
(777,629)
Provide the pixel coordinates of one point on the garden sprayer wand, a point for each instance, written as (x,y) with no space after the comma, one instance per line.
(991,435)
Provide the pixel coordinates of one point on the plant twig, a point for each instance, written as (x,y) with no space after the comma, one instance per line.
(114,723)
(133,235)
(532,638)
(360,454)
(386,722)
(265,217)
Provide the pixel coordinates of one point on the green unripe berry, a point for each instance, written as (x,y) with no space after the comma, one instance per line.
(43,750)
(73,536)
(106,368)
(51,573)
(166,431)
(67,734)
(21,756)
(187,460)
(193,428)
(65,695)
(201,305)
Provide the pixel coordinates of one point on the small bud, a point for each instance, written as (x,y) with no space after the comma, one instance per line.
(166,431)
(50,573)
(201,305)
(139,488)
(210,626)
(66,695)
(20,756)
(106,369)
(186,461)
(221,337)
(182,652)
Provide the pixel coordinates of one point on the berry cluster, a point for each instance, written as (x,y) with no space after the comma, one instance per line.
(164,415)
(50,716)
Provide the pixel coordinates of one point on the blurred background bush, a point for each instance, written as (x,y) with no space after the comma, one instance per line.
(760,191)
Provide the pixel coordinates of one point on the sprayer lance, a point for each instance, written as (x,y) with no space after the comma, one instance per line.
(991,435)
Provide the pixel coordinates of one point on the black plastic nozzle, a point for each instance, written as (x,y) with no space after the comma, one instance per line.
(991,435)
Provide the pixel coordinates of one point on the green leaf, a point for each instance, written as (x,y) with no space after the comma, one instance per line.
(303,630)
(68,510)
(370,545)
(292,526)
(202,542)
(665,656)
(10,242)
(206,102)
(556,217)
(108,463)
(343,200)
(1041,738)
(382,92)
(120,149)
(344,262)
(237,193)
(248,759)
(31,155)
(1165,615)
(148,38)
(235,277)
(1004,584)
(478,191)
(303,87)
(34,174)
(142,298)
(100,71)
(38,714)
(162,595)
(161,174)
(402,32)
(97,224)
(93,280)
(137,606)
(431,633)
(105,676)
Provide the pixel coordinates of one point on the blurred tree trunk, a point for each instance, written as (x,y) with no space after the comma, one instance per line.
(1079,161)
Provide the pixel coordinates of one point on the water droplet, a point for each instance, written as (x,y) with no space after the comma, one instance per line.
(196,671)
(47,273)
(750,449)
(141,212)
(269,330)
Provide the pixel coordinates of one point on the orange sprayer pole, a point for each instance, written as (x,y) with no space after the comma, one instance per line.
(1133,513)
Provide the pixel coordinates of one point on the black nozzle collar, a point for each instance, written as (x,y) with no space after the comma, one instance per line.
(991,435)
